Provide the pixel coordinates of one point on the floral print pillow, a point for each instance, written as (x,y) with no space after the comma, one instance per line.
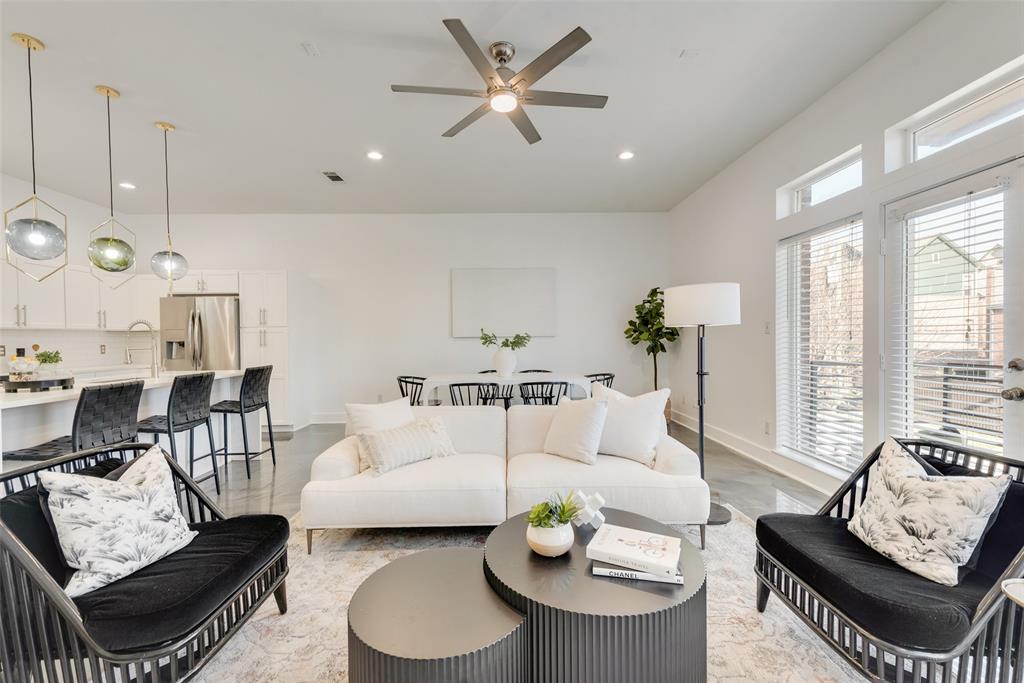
(109,529)
(929,525)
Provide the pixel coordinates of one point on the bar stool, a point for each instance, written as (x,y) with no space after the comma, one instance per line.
(254,395)
(188,407)
(106,414)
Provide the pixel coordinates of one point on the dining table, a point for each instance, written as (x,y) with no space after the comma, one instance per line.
(434,382)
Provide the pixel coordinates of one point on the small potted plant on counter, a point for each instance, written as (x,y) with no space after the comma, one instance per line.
(504,357)
(49,361)
(549,529)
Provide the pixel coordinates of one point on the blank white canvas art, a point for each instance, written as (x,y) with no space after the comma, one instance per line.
(505,301)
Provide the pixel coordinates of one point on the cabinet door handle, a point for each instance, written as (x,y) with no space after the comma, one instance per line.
(17,316)
(99,318)
(104,320)
(24,315)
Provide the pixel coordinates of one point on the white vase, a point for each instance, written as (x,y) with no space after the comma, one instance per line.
(550,542)
(504,362)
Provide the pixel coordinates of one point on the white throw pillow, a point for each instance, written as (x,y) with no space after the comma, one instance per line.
(929,525)
(389,449)
(575,430)
(373,417)
(109,529)
(635,424)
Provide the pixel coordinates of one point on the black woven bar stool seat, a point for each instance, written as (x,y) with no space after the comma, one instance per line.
(254,395)
(44,451)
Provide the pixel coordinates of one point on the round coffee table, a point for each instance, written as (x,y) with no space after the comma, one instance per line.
(431,617)
(586,628)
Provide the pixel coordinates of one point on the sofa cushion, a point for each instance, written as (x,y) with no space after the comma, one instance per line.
(23,515)
(461,489)
(635,423)
(165,600)
(896,605)
(575,431)
(473,429)
(625,484)
(389,449)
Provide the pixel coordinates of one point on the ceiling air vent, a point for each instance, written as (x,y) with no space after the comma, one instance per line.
(333,177)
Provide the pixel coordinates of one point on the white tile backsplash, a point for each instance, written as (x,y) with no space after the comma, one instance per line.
(80,348)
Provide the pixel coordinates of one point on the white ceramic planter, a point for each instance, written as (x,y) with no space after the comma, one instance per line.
(550,542)
(504,362)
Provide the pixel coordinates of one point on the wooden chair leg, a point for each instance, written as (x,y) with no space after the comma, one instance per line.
(309,541)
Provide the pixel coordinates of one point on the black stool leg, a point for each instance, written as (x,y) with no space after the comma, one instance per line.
(245,444)
(213,455)
(174,446)
(225,443)
(270,430)
(192,452)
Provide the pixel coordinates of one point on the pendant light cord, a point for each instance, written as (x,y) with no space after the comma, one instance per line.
(110,164)
(167,196)
(31,119)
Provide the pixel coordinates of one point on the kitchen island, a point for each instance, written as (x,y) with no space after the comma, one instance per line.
(31,418)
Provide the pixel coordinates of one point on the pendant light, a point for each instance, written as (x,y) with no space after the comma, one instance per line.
(168,263)
(34,229)
(112,244)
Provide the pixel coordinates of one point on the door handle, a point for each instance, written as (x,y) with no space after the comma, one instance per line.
(99,319)
(1013,394)
(1016,364)
(24,315)
(104,319)
(191,336)
(17,316)
(201,337)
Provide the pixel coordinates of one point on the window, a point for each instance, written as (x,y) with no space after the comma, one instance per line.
(819,343)
(831,179)
(946,344)
(974,118)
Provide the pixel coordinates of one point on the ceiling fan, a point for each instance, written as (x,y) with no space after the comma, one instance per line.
(507,90)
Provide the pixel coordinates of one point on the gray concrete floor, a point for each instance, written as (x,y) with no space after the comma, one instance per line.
(734,479)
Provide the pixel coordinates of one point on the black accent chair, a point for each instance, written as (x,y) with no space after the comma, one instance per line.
(253,396)
(411,387)
(542,393)
(162,623)
(473,393)
(887,622)
(106,414)
(505,392)
(605,378)
(188,407)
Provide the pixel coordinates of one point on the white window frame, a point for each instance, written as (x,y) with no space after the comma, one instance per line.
(790,197)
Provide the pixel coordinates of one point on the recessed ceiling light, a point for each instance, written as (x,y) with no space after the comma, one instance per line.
(128,186)
(626,155)
(375,155)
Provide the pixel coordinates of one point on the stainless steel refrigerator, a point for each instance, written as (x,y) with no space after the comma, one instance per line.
(199,332)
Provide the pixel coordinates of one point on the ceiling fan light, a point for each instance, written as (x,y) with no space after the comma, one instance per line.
(504,101)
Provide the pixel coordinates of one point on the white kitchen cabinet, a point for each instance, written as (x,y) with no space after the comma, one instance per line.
(91,305)
(208,282)
(252,346)
(10,315)
(263,298)
(82,299)
(119,305)
(148,292)
(278,402)
(269,346)
(190,284)
(42,303)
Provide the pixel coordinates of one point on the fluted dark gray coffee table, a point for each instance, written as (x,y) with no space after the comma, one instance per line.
(595,629)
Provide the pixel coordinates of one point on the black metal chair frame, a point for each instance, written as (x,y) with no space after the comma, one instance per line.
(990,652)
(605,378)
(473,393)
(411,387)
(505,393)
(261,402)
(47,641)
(199,405)
(525,372)
(543,393)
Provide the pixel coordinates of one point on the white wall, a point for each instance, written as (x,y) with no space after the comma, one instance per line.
(727,230)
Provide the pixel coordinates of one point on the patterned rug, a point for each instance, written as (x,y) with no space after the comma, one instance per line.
(309,643)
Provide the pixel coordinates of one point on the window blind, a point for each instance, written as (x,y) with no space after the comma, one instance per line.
(819,331)
(945,360)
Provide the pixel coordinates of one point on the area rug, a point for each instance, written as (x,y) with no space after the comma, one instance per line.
(309,643)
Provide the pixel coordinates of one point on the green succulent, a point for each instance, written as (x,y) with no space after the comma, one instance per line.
(554,511)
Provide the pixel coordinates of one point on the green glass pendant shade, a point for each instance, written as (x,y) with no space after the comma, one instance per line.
(169,264)
(111,254)
(35,238)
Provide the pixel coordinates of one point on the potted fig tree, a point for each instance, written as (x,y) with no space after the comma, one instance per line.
(648,328)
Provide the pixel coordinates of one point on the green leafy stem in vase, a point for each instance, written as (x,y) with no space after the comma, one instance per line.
(515,343)
(48,357)
(556,511)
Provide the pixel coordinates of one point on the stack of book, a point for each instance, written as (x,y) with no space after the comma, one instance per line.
(633,554)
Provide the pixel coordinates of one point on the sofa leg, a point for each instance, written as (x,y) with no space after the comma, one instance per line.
(762,595)
(703,535)
(309,541)
(281,596)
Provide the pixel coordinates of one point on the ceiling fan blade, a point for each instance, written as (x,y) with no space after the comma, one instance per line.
(565,99)
(473,116)
(428,90)
(552,57)
(518,117)
(473,51)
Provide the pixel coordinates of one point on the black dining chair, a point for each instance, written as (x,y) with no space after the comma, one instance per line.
(188,407)
(253,396)
(605,378)
(473,393)
(411,387)
(542,393)
(106,414)
(505,391)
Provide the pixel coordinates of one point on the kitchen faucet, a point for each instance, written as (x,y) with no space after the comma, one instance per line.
(154,349)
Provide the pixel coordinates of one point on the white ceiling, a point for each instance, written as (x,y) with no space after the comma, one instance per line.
(258,119)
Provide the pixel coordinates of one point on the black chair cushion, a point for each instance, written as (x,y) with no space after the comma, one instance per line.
(169,598)
(885,599)
(23,515)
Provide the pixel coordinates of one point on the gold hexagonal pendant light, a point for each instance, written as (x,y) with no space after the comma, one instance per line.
(111,243)
(35,231)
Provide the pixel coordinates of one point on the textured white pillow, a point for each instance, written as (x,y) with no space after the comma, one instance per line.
(109,529)
(634,425)
(389,449)
(929,525)
(373,417)
(575,430)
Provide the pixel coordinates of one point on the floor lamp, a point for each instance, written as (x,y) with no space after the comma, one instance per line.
(700,306)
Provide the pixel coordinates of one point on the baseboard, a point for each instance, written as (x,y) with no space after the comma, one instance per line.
(336,418)
(819,481)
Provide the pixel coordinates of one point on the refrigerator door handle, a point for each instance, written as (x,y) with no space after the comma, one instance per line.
(190,336)
(200,340)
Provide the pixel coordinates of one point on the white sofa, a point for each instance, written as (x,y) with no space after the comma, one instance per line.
(499,472)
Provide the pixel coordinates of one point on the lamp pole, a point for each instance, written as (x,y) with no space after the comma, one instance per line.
(719,513)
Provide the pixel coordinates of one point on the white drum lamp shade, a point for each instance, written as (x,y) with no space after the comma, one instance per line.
(711,303)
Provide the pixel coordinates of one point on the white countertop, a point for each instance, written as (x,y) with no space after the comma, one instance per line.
(22,399)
